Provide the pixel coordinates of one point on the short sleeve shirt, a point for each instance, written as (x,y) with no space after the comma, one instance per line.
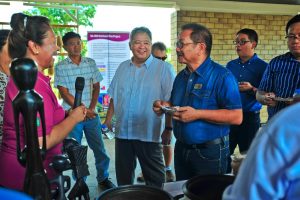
(66,73)
(210,87)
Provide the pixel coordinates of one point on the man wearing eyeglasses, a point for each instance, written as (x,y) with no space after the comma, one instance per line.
(207,101)
(271,168)
(248,70)
(282,76)
(136,84)
(159,51)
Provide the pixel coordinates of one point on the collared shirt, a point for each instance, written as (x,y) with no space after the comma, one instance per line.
(271,169)
(11,172)
(66,73)
(133,90)
(252,72)
(282,77)
(210,87)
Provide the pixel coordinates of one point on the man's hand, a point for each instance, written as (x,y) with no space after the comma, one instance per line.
(108,124)
(185,114)
(157,106)
(166,137)
(245,86)
(269,99)
(90,114)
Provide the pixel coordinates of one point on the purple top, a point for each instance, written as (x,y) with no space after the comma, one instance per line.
(12,174)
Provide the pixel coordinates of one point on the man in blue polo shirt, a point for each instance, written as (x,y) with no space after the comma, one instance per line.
(282,76)
(248,70)
(208,101)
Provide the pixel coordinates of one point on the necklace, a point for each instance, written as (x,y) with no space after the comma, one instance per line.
(5,70)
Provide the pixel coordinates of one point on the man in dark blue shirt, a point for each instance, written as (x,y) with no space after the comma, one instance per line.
(282,76)
(248,70)
(207,101)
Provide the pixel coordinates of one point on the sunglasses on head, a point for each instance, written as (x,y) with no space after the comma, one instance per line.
(161,58)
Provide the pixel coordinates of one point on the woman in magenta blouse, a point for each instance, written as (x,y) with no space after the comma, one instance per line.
(32,37)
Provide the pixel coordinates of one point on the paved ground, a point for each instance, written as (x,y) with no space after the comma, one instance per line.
(91,180)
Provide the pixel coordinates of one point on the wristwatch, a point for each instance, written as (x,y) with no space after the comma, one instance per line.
(169,128)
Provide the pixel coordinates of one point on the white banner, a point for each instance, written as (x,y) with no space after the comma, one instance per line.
(108,49)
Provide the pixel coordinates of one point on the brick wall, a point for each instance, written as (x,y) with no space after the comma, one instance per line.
(223,26)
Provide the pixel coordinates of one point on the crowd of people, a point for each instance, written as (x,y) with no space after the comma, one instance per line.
(209,108)
(271,168)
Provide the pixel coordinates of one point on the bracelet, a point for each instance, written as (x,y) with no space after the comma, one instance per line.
(169,128)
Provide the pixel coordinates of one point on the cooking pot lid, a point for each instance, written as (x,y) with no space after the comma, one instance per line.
(207,187)
(130,192)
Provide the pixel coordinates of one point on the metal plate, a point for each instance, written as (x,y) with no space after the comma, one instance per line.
(283,99)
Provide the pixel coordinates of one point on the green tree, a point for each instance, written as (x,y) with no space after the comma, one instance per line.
(59,16)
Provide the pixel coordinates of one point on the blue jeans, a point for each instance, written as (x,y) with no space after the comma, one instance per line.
(92,131)
(208,160)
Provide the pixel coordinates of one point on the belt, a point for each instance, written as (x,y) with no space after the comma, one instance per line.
(205,144)
(252,112)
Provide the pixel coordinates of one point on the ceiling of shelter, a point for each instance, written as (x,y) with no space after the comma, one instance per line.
(280,7)
(289,2)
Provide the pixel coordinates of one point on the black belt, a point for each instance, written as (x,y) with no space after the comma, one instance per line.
(253,112)
(205,144)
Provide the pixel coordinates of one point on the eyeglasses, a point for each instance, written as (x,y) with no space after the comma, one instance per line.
(241,43)
(180,44)
(161,58)
(293,36)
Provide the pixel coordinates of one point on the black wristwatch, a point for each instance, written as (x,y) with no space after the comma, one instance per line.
(168,128)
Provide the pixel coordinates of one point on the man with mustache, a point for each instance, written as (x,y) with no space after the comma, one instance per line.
(248,70)
(207,101)
(282,76)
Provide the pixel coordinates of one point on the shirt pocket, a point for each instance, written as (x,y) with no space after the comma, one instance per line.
(202,99)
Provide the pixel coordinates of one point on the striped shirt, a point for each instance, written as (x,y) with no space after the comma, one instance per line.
(66,73)
(282,77)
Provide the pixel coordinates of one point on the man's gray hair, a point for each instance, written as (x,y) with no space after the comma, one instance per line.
(141,29)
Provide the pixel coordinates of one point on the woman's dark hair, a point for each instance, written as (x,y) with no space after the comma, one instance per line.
(3,37)
(25,28)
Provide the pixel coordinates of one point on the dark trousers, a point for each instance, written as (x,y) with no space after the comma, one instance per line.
(150,158)
(243,134)
(208,160)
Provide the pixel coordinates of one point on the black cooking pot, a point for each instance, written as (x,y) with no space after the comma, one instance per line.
(135,192)
(208,187)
